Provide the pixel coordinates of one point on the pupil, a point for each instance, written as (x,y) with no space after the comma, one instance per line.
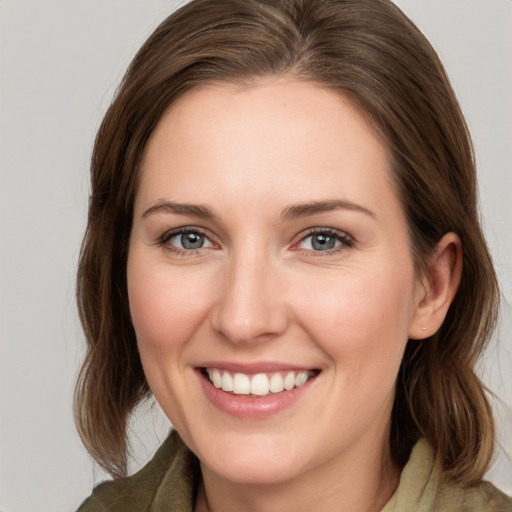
(323,242)
(192,240)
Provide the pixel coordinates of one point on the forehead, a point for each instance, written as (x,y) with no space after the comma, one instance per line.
(278,137)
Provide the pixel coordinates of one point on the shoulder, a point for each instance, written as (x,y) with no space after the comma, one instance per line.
(423,487)
(495,499)
(167,480)
(482,497)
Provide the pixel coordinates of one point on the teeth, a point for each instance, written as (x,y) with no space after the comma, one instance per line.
(301,379)
(289,381)
(241,384)
(227,382)
(259,385)
(276,383)
(216,379)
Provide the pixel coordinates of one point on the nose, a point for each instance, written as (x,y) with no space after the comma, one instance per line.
(252,304)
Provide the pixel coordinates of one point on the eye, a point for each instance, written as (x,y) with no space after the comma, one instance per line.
(324,240)
(187,239)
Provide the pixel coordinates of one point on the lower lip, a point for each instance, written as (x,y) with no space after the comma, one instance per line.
(243,406)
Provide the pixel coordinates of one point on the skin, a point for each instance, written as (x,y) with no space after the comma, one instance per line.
(259,291)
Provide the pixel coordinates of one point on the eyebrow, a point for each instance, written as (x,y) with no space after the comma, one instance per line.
(194,210)
(295,211)
(306,209)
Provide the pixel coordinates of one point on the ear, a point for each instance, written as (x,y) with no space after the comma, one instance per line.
(438,288)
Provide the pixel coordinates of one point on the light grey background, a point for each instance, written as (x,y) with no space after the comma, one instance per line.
(60,63)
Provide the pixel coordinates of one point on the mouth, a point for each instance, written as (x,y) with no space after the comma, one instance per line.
(260,384)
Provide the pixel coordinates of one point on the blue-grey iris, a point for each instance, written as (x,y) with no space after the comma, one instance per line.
(323,242)
(192,240)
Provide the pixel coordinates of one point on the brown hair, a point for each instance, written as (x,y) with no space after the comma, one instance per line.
(371,53)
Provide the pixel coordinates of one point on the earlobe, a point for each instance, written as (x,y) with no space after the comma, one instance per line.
(440,284)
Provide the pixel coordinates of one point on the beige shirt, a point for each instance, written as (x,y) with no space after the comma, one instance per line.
(168,483)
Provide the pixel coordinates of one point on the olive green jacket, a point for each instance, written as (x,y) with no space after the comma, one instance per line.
(168,483)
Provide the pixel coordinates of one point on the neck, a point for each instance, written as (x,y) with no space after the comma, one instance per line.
(362,482)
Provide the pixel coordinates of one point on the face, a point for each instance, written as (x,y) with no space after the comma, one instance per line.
(270,278)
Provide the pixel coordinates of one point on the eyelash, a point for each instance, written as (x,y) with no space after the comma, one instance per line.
(346,241)
(164,240)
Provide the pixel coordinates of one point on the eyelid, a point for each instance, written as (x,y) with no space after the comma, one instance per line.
(171,233)
(182,230)
(346,240)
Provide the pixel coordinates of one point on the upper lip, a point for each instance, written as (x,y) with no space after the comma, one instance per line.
(254,367)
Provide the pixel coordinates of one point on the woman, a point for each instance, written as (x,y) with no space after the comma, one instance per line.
(283,247)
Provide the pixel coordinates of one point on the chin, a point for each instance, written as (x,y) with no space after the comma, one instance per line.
(257,459)
(262,471)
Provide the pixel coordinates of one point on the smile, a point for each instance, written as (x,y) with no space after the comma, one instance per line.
(257,385)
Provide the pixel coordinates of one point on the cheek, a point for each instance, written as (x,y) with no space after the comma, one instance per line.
(361,318)
(165,307)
